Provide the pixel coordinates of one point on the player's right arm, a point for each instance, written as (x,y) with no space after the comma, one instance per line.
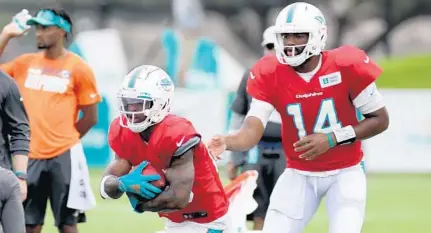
(4,39)
(10,31)
(18,64)
(251,131)
(110,184)
(240,106)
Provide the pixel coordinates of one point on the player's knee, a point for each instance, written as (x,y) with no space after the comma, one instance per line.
(277,222)
(68,228)
(349,220)
(33,228)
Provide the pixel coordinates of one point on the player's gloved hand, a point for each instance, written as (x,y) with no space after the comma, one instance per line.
(314,145)
(216,146)
(134,202)
(136,183)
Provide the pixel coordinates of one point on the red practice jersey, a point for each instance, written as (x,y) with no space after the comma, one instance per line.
(318,106)
(209,201)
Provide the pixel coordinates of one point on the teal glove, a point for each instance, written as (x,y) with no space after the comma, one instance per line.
(134,202)
(139,184)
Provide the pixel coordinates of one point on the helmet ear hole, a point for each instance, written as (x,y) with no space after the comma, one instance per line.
(150,105)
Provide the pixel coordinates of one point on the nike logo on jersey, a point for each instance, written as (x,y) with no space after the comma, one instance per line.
(180,142)
(330,79)
(93,96)
(366,60)
(252,75)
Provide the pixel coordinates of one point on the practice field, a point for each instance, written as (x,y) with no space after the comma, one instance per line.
(406,72)
(396,204)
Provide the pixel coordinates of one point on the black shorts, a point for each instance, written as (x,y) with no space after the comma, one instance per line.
(50,178)
(270,167)
(12,213)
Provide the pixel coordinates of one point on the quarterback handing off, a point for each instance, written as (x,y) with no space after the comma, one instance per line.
(145,135)
(316,93)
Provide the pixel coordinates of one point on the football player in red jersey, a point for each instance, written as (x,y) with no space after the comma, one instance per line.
(145,132)
(316,93)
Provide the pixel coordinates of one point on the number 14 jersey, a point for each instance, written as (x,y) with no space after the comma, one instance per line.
(321,105)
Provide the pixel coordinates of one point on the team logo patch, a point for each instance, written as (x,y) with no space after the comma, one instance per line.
(330,79)
(166,84)
(64,74)
(320,19)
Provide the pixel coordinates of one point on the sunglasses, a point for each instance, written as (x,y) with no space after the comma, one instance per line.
(269,46)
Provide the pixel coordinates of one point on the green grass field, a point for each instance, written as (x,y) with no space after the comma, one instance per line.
(396,204)
(406,72)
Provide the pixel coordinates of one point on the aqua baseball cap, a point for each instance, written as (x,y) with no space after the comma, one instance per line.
(49,18)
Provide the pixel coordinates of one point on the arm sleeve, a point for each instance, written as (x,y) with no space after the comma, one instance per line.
(85,86)
(240,105)
(181,138)
(260,109)
(16,121)
(369,100)
(186,146)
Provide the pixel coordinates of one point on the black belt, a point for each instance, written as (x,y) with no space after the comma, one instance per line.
(271,156)
(195,215)
(270,149)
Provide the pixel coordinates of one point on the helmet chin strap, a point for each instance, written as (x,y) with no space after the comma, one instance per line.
(306,62)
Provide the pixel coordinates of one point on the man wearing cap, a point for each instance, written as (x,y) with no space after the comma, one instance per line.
(55,85)
(267,158)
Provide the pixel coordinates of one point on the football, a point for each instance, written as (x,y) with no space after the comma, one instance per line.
(161,183)
(151,170)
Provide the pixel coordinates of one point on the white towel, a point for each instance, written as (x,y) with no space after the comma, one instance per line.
(81,196)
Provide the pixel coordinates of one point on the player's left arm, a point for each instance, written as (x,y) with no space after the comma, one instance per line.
(180,176)
(376,120)
(87,98)
(367,99)
(363,91)
(16,123)
(370,104)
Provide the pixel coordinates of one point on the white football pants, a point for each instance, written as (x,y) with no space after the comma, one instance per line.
(221,225)
(297,196)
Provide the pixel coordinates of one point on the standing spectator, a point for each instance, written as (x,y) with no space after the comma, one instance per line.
(14,147)
(56,85)
(188,18)
(268,157)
